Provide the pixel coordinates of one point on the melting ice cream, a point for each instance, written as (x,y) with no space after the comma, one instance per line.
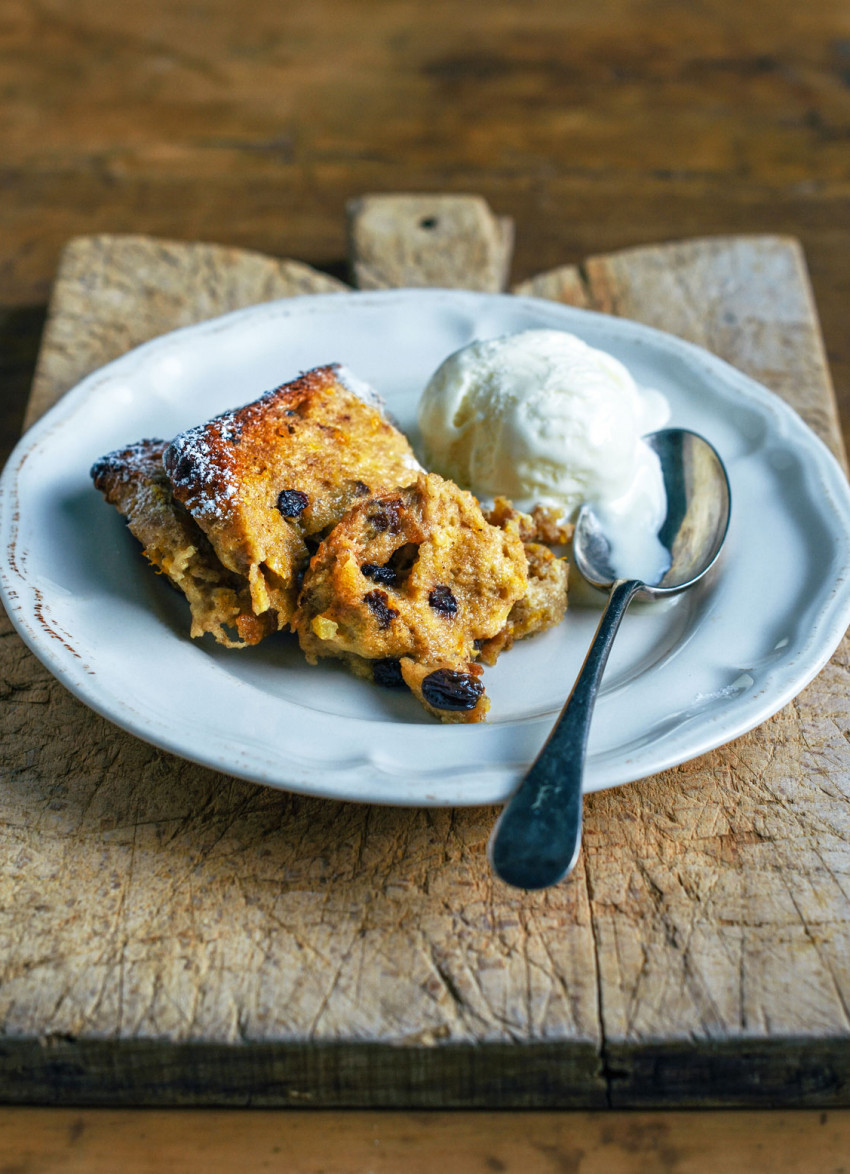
(541,417)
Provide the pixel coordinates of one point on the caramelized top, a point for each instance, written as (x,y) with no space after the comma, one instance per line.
(261,479)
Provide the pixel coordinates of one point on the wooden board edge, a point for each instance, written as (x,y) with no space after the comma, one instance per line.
(744,1074)
(282,277)
(303,1141)
(115,1072)
(732,1073)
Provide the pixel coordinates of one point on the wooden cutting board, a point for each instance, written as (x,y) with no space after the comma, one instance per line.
(171,935)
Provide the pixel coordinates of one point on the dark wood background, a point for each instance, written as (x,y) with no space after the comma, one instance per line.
(595,124)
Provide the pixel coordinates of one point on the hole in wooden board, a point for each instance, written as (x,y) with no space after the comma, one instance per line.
(428,222)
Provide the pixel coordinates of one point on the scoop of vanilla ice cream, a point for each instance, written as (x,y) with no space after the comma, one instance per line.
(541,417)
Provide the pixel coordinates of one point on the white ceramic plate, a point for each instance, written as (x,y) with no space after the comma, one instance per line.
(681,680)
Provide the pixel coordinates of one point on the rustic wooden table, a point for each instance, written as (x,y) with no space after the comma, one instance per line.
(594,128)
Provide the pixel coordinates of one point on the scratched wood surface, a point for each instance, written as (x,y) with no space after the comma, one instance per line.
(174,936)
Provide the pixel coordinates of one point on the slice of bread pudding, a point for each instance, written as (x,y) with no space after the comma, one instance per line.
(134,481)
(230,510)
(411,585)
(267,481)
(307,509)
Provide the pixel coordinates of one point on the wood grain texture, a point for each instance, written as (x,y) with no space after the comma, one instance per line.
(565,284)
(80,1141)
(595,127)
(174,936)
(726,890)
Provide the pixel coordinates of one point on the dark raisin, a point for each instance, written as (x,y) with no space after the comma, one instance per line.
(442,600)
(403,560)
(387,672)
(449,689)
(181,470)
(379,574)
(386,516)
(379,605)
(361,488)
(292,502)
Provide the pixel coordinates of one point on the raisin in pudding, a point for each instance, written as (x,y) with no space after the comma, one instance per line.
(266,479)
(417,578)
(306,510)
(230,509)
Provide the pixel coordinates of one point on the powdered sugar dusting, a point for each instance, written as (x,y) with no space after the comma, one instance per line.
(124,464)
(359,387)
(203,463)
(204,481)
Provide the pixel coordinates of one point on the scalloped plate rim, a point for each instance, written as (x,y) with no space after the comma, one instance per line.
(495,782)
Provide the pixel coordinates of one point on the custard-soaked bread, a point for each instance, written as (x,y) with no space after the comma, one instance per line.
(407,585)
(544,524)
(545,601)
(543,605)
(133,479)
(265,479)
(410,585)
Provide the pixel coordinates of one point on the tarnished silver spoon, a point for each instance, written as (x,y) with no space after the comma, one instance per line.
(536,840)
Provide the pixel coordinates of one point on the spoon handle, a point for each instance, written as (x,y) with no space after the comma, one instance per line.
(536,840)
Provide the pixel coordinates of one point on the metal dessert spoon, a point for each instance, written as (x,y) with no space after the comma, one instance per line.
(536,840)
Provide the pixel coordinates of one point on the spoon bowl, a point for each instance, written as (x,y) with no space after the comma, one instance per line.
(536,840)
(694,527)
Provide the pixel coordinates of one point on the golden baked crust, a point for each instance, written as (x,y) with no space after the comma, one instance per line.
(410,584)
(133,480)
(413,575)
(263,480)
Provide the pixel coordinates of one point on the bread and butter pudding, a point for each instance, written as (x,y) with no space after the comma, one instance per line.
(265,480)
(404,588)
(230,509)
(307,510)
(134,480)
